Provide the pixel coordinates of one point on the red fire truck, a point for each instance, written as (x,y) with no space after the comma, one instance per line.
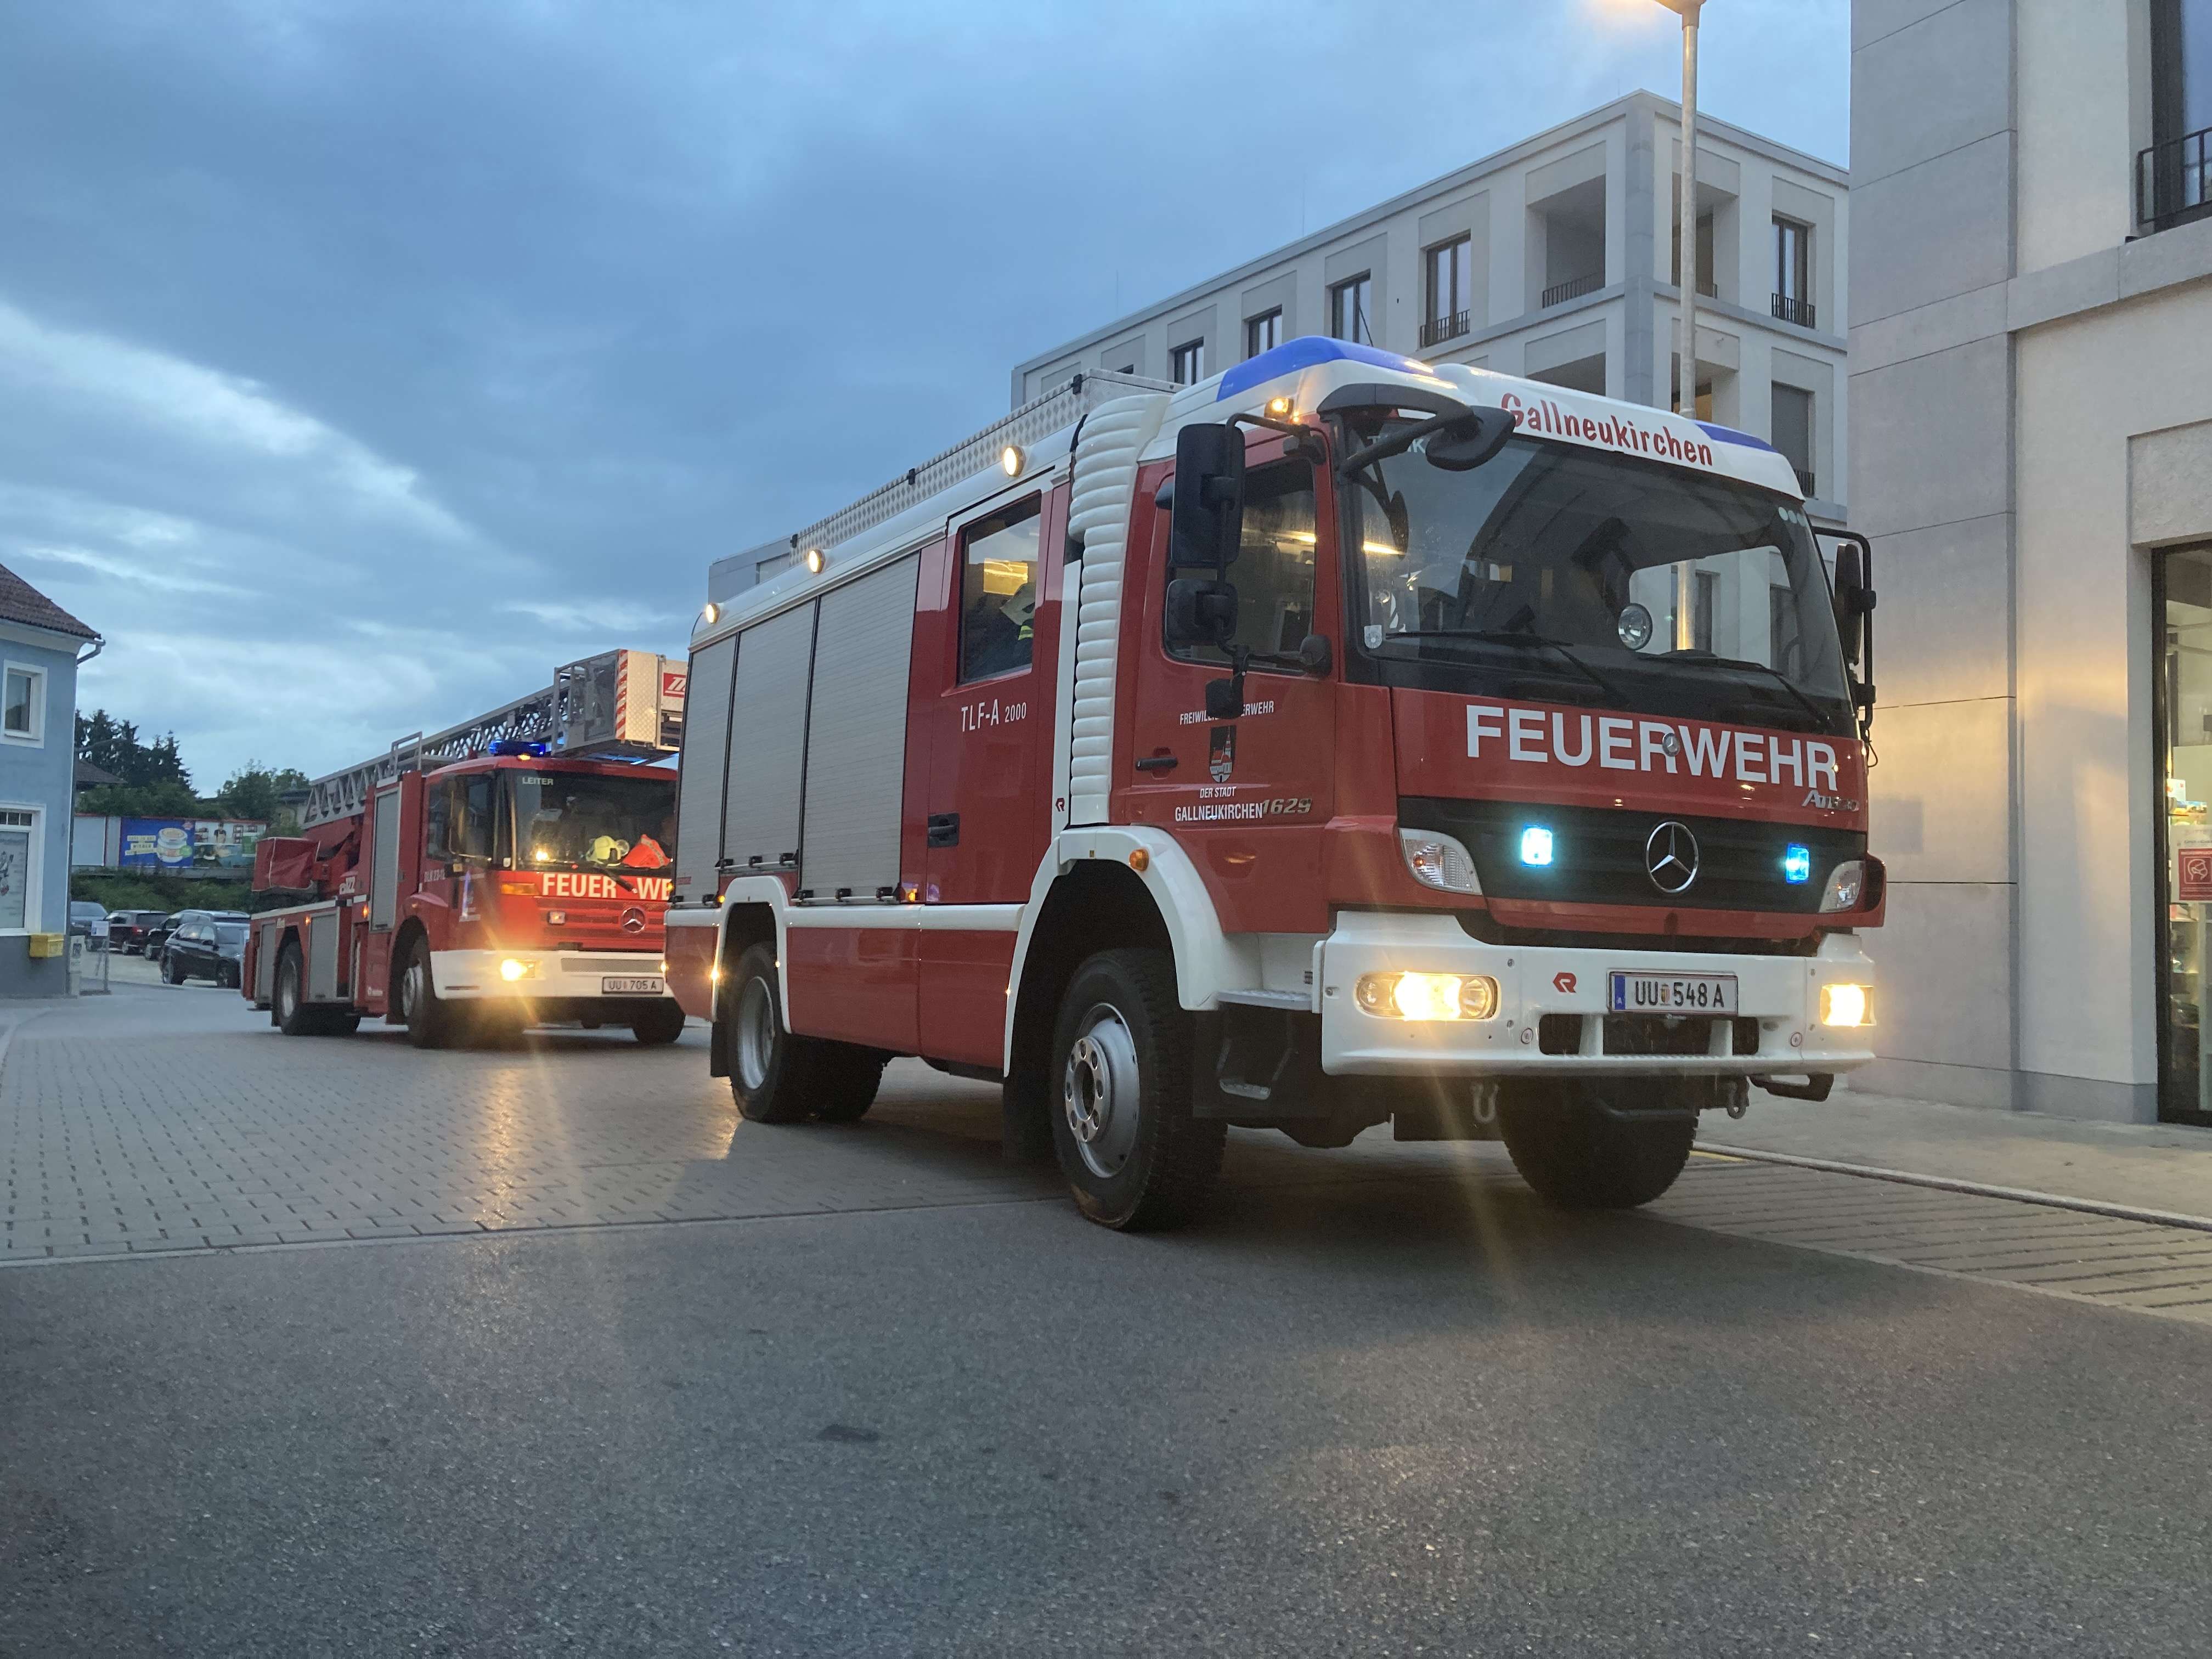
(1341,740)
(509,871)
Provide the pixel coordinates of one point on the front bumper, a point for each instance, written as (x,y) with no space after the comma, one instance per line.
(548,975)
(1782,992)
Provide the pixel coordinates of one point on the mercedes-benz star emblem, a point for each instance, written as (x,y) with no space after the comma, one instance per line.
(632,920)
(1671,857)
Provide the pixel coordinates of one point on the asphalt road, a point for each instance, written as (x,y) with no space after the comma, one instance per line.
(1375,1412)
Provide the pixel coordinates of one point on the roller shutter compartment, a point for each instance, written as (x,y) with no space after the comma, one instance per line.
(856,742)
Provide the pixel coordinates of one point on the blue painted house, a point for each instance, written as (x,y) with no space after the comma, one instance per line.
(40,648)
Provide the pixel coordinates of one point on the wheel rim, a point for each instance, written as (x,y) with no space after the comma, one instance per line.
(755,1034)
(1099,1091)
(287,995)
(412,984)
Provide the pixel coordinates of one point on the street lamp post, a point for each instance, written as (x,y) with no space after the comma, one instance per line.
(1686,212)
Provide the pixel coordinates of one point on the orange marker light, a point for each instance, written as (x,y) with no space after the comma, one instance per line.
(1139,859)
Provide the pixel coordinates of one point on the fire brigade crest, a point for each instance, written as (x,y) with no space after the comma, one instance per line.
(1221,753)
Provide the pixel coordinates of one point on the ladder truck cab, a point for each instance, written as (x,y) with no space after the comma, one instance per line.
(1338,740)
(510,871)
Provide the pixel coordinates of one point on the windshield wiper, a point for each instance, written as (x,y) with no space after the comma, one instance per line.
(1517,637)
(1707,660)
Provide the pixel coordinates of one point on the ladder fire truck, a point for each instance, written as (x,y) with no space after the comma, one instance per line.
(1336,741)
(508,871)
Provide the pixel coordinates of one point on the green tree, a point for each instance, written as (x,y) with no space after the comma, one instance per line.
(255,791)
(112,745)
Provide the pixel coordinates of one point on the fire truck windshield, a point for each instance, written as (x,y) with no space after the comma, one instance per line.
(576,821)
(1608,579)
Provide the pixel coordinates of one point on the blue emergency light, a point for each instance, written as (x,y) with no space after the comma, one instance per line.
(1536,845)
(519,747)
(1797,864)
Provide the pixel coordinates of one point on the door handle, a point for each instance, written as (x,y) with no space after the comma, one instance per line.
(945,829)
(1156,763)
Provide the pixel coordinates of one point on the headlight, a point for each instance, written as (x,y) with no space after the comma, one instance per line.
(512,968)
(1845,1005)
(1845,882)
(1427,996)
(1438,861)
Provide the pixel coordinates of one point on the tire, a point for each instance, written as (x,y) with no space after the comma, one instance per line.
(773,1076)
(169,974)
(662,1023)
(1605,1144)
(428,1018)
(1134,1158)
(288,1002)
(849,1078)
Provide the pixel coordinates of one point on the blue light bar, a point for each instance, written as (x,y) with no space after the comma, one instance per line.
(519,746)
(1536,845)
(1797,864)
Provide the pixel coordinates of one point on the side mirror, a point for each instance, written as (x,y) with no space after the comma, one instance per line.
(1854,599)
(1470,442)
(1206,510)
(1201,612)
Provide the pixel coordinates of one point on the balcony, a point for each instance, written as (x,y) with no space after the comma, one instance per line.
(1799,312)
(1438,329)
(2173,181)
(1805,481)
(1573,288)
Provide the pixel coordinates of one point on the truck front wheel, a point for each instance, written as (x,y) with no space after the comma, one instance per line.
(662,1023)
(1599,1143)
(1134,1155)
(771,1072)
(428,1016)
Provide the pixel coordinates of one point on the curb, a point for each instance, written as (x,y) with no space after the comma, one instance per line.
(1977,1189)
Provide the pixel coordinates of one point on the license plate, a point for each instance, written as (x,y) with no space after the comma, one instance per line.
(632,987)
(1673,994)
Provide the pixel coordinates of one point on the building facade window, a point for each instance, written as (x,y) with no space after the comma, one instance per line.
(19,908)
(1187,362)
(1791,431)
(2173,177)
(1793,271)
(1263,332)
(22,711)
(1450,289)
(997,591)
(1348,309)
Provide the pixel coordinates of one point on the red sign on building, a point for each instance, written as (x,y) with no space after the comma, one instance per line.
(2192,875)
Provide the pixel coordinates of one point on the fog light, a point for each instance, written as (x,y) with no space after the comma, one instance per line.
(1427,996)
(1845,1005)
(511,968)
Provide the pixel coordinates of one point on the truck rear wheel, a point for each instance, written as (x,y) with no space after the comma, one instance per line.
(1598,1144)
(662,1023)
(291,1013)
(1134,1157)
(429,1018)
(849,1077)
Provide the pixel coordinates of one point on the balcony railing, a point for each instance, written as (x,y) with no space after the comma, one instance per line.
(1443,328)
(1805,481)
(2173,181)
(1573,288)
(1799,312)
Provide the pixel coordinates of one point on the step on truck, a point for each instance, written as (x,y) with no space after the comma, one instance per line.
(509,871)
(1338,741)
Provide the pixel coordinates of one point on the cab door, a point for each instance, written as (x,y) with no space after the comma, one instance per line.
(986,640)
(1248,797)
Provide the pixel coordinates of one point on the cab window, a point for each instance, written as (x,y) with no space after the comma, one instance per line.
(471,833)
(997,591)
(1273,569)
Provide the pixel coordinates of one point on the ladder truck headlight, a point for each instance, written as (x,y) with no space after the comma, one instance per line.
(514,968)
(1438,861)
(1845,884)
(1845,1005)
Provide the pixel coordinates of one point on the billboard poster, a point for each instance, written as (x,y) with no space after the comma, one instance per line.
(175,845)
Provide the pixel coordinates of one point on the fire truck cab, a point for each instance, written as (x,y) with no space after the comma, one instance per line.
(1340,740)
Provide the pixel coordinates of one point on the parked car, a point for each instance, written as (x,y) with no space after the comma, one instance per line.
(206,945)
(127,929)
(88,921)
(158,934)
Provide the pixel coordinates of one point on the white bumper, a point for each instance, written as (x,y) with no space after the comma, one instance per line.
(566,975)
(1782,992)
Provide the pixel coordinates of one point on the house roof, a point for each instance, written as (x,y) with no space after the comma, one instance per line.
(89,776)
(21,603)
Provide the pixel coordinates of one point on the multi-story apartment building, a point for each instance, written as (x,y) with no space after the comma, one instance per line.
(1556,258)
(2030,399)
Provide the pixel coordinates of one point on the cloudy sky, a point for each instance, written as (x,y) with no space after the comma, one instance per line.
(361,359)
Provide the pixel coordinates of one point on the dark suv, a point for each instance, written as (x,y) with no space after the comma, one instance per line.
(206,945)
(127,929)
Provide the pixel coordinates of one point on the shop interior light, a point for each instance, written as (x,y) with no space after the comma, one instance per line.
(1536,845)
(1845,1005)
(1797,864)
